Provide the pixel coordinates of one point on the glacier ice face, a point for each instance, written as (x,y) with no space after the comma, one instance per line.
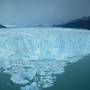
(34,56)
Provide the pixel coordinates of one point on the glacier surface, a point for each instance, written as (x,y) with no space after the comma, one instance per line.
(34,56)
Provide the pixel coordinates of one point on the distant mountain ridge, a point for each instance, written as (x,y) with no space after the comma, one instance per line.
(83,23)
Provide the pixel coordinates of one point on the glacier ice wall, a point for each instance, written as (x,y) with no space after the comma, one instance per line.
(34,56)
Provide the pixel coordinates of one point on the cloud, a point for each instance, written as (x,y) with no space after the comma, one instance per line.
(47,12)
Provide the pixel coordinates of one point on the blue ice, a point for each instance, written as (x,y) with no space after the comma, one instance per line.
(36,55)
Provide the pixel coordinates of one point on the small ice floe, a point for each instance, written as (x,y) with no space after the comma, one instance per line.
(46,85)
(19,79)
(29,87)
(23,77)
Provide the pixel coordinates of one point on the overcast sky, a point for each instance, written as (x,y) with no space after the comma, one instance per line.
(47,12)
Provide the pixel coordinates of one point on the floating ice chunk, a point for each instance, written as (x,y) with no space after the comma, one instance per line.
(23,77)
(30,73)
(29,87)
(34,84)
(46,85)
(42,73)
(19,79)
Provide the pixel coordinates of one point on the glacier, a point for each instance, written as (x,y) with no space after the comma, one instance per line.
(34,56)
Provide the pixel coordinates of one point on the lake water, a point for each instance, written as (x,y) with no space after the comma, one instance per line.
(75,77)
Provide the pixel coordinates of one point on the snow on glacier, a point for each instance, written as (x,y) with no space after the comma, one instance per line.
(34,56)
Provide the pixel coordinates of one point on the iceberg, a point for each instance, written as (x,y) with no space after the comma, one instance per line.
(34,56)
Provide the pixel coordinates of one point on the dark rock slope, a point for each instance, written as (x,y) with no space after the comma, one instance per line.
(83,23)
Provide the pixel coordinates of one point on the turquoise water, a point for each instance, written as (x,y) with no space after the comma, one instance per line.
(75,77)
(6,84)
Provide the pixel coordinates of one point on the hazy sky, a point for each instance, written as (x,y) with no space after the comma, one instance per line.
(47,12)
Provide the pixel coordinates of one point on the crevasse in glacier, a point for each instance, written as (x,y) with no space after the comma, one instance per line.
(33,56)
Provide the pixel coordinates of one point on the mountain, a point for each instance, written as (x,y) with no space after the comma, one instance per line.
(83,23)
(1,26)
